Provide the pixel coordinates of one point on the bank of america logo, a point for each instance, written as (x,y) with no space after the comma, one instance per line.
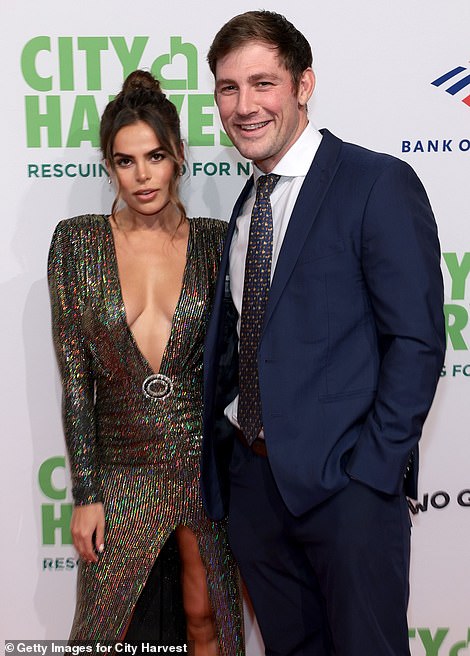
(458,79)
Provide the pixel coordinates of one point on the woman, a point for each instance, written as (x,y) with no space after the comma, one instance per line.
(130,294)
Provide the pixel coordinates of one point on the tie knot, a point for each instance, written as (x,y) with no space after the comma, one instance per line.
(266,184)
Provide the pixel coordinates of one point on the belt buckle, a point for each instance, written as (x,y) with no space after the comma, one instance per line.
(157,386)
(258,446)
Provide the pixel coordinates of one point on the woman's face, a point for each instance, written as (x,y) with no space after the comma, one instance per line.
(143,170)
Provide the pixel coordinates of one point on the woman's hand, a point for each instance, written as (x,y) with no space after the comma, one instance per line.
(87,527)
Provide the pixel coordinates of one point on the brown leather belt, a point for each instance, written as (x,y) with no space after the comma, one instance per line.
(258,446)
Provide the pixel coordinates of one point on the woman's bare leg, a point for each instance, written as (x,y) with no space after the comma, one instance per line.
(197,607)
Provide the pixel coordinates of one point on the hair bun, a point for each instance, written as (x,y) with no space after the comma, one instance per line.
(141,81)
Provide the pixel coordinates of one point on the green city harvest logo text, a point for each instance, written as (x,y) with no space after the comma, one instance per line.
(55,515)
(58,115)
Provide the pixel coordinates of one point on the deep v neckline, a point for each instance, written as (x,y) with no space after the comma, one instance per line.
(122,306)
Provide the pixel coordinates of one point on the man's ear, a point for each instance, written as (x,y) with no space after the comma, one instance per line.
(306,87)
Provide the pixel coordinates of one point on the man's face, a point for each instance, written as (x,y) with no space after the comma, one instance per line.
(259,108)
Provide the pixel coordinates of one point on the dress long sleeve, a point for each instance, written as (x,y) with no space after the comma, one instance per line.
(68,294)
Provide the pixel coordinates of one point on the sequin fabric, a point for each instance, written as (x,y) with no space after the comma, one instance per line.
(255,297)
(139,455)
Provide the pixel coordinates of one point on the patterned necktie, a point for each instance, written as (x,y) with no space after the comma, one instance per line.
(255,296)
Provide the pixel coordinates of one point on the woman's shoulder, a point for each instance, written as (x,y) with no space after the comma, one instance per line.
(81,224)
(74,238)
(208,239)
(79,230)
(216,228)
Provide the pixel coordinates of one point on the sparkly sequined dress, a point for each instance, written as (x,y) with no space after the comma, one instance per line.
(135,445)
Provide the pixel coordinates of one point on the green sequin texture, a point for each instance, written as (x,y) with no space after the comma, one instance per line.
(139,456)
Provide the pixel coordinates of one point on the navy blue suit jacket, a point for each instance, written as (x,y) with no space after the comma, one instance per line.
(353,339)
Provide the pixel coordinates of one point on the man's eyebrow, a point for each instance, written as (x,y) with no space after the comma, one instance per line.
(256,77)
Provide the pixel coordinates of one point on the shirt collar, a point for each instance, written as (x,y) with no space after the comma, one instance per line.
(299,157)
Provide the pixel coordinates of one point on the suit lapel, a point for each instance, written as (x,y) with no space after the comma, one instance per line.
(309,201)
(225,260)
(223,287)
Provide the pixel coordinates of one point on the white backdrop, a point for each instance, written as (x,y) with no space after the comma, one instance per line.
(376,63)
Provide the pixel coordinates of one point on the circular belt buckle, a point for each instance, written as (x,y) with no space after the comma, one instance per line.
(157,386)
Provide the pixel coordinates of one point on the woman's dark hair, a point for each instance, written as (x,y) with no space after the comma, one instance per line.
(268,27)
(141,99)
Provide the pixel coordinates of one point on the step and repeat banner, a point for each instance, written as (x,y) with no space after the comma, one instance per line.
(392,76)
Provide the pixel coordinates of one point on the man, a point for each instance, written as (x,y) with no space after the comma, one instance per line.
(316,389)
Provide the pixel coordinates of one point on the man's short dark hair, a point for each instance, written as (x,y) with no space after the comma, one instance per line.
(267,27)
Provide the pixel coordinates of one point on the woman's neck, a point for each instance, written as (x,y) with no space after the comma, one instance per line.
(167,221)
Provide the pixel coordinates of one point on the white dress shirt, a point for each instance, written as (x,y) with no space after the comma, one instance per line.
(292,168)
